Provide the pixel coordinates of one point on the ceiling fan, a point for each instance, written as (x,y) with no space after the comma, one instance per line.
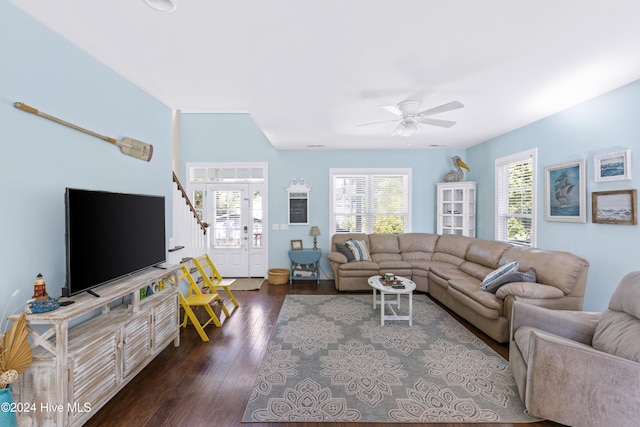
(410,116)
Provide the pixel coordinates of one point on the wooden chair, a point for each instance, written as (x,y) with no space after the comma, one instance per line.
(213,280)
(195,298)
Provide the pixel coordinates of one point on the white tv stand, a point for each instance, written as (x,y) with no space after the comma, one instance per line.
(77,369)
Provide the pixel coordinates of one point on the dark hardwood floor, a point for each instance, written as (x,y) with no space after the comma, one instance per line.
(209,384)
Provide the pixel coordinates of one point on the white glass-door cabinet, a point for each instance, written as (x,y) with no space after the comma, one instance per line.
(457,208)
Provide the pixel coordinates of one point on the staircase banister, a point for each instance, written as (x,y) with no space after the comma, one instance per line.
(203,225)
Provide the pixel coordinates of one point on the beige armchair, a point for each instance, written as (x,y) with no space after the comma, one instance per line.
(577,368)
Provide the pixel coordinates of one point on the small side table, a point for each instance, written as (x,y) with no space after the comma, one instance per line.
(376,284)
(304,265)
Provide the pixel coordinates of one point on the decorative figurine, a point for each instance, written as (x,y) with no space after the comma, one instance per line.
(41,302)
(455,175)
(40,289)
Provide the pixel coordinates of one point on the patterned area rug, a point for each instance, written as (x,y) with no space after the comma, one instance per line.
(330,360)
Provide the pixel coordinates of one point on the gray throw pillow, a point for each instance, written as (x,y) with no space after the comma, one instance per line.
(514,276)
(344,250)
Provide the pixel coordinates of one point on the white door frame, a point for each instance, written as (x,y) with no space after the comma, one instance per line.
(254,174)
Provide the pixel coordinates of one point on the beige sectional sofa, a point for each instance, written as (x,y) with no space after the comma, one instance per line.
(451,269)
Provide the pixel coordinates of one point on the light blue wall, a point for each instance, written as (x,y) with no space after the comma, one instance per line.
(39,158)
(236,138)
(605,124)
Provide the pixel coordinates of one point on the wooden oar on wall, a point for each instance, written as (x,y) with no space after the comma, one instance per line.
(129,146)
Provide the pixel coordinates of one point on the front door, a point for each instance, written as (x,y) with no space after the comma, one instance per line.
(234,214)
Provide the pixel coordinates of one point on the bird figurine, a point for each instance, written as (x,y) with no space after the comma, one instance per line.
(455,175)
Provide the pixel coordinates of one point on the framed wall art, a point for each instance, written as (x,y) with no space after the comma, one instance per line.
(565,192)
(614,207)
(613,166)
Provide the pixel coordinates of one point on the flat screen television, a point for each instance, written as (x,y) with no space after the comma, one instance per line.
(110,236)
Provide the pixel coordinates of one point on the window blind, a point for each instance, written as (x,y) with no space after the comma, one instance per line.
(375,201)
(515,198)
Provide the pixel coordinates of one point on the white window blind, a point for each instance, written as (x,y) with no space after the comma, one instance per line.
(370,201)
(515,198)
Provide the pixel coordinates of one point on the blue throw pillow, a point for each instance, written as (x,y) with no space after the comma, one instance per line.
(498,273)
(359,249)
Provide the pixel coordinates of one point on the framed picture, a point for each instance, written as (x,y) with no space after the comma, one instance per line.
(565,192)
(614,207)
(296,245)
(613,166)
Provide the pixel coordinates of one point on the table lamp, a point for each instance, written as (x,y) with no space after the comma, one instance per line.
(315,232)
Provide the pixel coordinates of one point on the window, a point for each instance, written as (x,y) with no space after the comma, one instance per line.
(515,198)
(370,200)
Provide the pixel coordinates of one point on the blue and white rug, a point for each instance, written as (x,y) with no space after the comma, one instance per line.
(330,360)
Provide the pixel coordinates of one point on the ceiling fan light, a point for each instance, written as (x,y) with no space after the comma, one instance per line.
(161,5)
(407,128)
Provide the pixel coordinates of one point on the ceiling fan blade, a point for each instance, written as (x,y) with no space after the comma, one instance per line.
(375,123)
(393,109)
(453,105)
(437,122)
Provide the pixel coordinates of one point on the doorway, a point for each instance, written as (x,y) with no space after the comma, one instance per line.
(234,206)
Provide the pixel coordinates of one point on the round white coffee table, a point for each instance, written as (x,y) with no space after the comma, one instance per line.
(376,284)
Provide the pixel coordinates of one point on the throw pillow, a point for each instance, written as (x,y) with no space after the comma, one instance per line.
(359,249)
(344,250)
(514,276)
(498,273)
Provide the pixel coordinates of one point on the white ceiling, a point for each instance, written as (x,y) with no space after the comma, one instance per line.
(308,71)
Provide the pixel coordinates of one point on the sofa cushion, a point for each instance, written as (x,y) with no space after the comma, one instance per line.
(447,258)
(394,266)
(417,242)
(486,252)
(344,250)
(626,296)
(529,290)
(498,274)
(384,243)
(364,268)
(477,271)
(447,271)
(416,256)
(454,245)
(618,333)
(359,249)
(514,276)
(484,304)
(554,268)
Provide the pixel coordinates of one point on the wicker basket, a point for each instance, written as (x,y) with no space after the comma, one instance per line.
(278,276)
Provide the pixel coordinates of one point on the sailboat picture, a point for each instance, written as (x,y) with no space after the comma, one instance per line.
(565,192)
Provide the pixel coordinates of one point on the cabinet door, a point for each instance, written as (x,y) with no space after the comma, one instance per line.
(165,323)
(136,345)
(94,370)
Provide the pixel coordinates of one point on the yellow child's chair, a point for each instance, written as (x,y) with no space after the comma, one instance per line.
(195,298)
(213,280)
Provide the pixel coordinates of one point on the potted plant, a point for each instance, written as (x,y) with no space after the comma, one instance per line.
(15,357)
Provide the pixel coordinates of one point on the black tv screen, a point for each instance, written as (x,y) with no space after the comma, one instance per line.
(111,235)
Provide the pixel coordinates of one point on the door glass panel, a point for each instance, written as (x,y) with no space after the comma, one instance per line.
(227,232)
(256,207)
(198,202)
